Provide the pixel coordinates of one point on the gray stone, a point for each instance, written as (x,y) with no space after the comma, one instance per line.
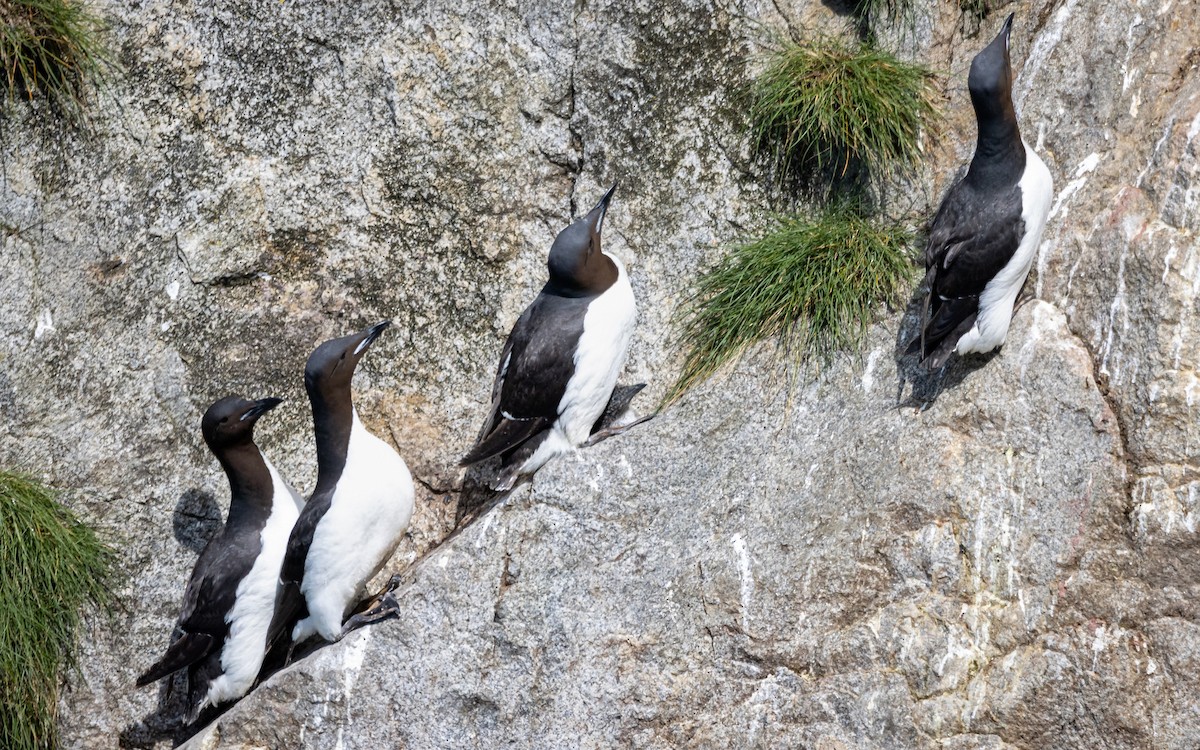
(721,577)
(763,565)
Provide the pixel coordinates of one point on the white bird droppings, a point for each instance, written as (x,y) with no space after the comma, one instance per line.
(743,553)
(45,324)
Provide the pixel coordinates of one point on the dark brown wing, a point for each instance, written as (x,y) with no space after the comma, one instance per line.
(972,238)
(538,362)
(209,597)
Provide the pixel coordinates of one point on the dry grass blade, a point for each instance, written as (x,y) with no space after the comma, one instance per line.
(890,11)
(49,48)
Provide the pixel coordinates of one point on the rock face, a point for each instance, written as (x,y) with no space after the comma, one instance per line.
(1015,567)
(721,578)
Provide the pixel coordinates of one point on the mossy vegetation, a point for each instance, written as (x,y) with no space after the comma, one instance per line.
(51,566)
(49,48)
(812,281)
(824,109)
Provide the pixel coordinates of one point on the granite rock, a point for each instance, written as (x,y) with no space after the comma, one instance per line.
(768,563)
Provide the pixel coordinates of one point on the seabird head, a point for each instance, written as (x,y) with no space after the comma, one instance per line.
(331,366)
(230,421)
(990,80)
(577,265)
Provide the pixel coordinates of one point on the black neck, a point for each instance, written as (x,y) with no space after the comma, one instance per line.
(559,288)
(999,154)
(581,275)
(333,417)
(250,486)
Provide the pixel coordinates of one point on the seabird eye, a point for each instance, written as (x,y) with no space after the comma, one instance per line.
(224,420)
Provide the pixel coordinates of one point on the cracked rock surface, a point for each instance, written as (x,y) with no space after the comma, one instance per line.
(720,578)
(759,566)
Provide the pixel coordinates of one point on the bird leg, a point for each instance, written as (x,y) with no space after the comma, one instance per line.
(608,432)
(392,584)
(387,607)
(374,608)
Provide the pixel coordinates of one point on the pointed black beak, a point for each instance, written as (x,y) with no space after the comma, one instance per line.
(261,407)
(595,217)
(595,220)
(369,336)
(1006,29)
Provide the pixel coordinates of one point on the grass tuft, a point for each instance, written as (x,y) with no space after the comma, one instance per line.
(973,14)
(51,565)
(826,108)
(49,48)
(813,282)
(890,11)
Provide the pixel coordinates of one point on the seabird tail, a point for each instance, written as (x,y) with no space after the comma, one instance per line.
(949,321)
(507,435)
(186,651)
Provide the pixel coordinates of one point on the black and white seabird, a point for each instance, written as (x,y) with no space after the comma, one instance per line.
(358,512)
(562,358)
(230,599)
(987,230)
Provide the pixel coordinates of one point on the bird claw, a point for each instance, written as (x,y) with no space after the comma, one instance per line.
(384,605)
(392,584)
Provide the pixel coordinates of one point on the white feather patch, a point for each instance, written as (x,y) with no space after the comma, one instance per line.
(599,358)
(996,302)
(367,517)
(254,603)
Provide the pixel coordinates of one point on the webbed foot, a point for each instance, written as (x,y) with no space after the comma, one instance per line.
(387,607)
(608,432)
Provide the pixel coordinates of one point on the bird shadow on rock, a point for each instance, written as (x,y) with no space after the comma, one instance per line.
(196,520)
(927,385)
(857,11)
(477,496)
(168,719)
(843,7)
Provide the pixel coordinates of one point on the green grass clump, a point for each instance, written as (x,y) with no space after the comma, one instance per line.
(814,283)
(49,48)
(51,565)
(889,10)
(824,106)
(974,11)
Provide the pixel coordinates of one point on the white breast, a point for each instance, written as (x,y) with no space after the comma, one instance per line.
(254,603)
(367,517)
(996,302)
(599,358)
